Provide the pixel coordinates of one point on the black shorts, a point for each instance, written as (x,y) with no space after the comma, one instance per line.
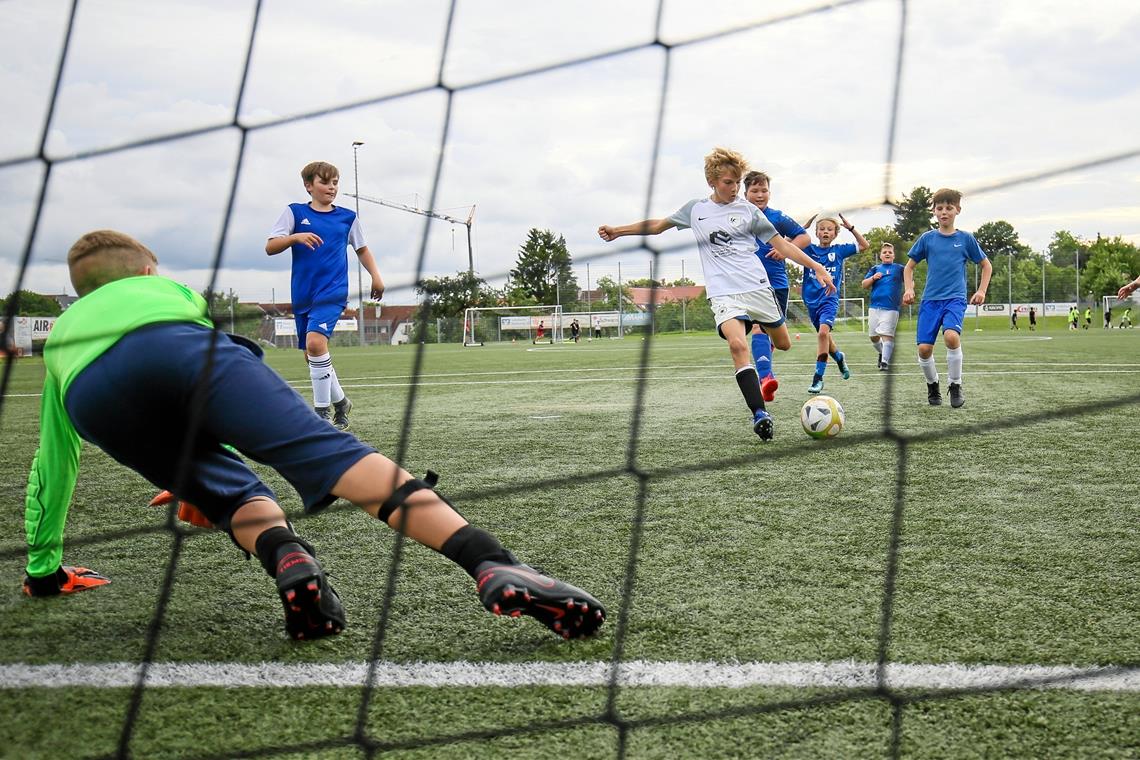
(135,402)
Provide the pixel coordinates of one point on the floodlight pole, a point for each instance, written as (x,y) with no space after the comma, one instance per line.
(359,267)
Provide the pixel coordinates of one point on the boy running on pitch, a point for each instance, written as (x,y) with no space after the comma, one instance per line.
(103,385)
(823,305)
(885,281)
(757,191)
(726,228)
(318,234)
(946,251)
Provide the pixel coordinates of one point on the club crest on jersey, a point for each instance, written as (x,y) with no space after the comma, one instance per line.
(734,220)
(831,257)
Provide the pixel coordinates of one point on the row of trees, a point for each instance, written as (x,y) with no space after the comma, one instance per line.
(544,274)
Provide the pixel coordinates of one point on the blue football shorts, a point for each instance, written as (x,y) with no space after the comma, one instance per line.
(823,312)
(941,315)
(136,402)
(320,318)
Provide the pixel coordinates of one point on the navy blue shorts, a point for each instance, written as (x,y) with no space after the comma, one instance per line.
(135,402)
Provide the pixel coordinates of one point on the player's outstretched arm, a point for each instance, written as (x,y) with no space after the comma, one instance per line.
(908,283)
(789,251)
(979,296)
(1128,289)
(860,241)
(647,227)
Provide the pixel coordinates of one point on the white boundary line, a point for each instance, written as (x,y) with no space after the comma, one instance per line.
(636,673)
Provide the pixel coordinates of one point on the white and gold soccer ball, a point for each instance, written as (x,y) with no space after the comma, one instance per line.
(822,417)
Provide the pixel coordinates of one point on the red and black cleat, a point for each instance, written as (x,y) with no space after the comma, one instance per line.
(519,589)
(312,606)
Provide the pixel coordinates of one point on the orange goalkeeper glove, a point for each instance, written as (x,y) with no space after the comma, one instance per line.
(65,580)
(187,512)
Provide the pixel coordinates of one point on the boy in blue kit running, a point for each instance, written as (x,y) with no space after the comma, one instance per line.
(822,305)
(757,191)
(104,384)
(726,228)
(885,280)
(318,234)
(946,251)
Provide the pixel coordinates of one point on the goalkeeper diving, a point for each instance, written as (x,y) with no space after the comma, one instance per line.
(104,385)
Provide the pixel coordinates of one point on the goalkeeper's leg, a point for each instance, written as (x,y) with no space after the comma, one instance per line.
(505,585)
(312,606)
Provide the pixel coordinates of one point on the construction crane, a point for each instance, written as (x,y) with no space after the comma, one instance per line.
(433,215)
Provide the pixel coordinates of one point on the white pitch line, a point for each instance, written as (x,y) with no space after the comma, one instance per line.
(674,378)
(636,673)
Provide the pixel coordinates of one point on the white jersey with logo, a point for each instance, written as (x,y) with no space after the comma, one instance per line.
(726,237)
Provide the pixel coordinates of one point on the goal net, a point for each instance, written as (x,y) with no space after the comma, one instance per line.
(512,324)
(852,316)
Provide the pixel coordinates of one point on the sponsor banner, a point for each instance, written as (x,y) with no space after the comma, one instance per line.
(1022,309)
(20,342)
(285,327)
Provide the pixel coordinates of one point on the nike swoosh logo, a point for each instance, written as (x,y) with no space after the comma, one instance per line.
(701,218)
(557,612)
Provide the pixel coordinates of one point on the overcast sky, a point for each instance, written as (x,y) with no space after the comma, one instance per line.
(990,91)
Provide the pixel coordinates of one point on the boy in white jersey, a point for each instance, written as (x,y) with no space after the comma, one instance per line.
(318,234)
(946,251)
(727,228)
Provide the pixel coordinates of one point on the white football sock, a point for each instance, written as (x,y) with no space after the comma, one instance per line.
(954,364)
(337,393)
(888,349)
(878,344)
(929,369)
(320,372)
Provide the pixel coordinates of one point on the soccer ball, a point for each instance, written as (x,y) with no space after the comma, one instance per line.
(822,417)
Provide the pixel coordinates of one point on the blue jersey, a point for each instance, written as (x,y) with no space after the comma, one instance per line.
(320,275)
(789,228)
(886,292)
(946,257)
(832,259)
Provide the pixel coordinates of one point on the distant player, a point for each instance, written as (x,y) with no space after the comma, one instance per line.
(757,191)
(946,251)
(575,330)
(1074,318)
(1088,317)
(1107,317)
(318,235)
(539,332)
(1032,319)
(727,228)
(1126,318)
(822,305)
(885,280)
(104,384)
(1013,319)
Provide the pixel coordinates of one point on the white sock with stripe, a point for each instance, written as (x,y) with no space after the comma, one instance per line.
(320,372)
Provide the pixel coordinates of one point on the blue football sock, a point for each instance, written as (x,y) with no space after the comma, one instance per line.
(762,354)
(820,368)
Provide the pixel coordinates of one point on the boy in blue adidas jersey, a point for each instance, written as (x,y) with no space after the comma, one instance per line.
(822,305)
(885,280)
(757,190)
(727,228)
(946,251)
(318,234)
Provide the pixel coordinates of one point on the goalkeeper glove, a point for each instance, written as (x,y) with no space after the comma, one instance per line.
(65,580)
(187,512)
